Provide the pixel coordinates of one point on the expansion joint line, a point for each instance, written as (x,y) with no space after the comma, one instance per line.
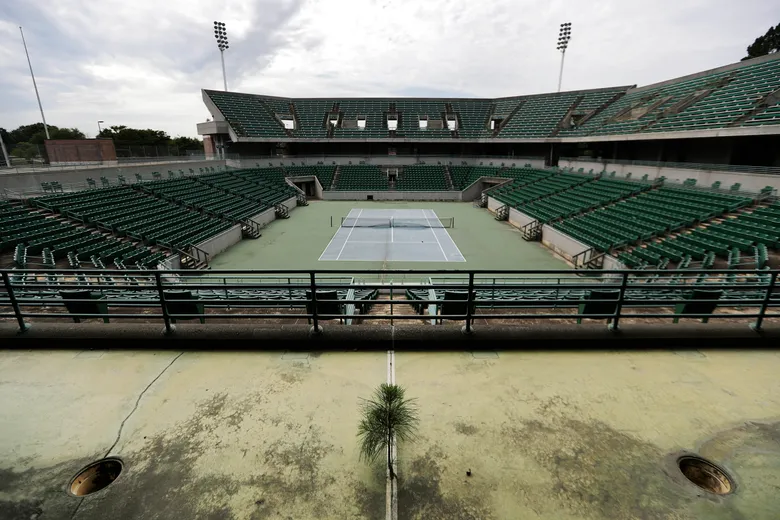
(138,401)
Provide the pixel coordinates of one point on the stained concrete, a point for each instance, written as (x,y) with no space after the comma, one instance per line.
(235,435)
(217,436)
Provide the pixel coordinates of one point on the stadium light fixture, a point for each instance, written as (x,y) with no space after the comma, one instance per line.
(35,86)
(220,33)
(100,129)
(564,35)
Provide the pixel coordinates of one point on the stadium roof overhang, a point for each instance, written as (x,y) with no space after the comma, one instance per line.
(645,136)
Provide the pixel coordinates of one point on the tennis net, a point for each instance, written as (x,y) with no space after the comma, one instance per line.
(396,222)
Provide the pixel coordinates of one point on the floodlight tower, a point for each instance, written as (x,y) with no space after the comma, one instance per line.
(35,86)
(563,43)
(220,33)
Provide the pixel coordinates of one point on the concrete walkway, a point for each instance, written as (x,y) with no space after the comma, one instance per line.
(235,435)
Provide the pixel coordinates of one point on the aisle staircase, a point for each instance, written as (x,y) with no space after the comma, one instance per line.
(281,211)
(335,180)
(450,184)
(532,231)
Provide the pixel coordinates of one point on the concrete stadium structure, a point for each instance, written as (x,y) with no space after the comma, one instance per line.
(643,222)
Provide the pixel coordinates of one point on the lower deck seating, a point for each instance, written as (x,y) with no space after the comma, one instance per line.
(422,177)
(31,233)
(519,193)
(361,177)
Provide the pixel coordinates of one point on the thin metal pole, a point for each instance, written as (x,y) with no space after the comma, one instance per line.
(560,75)
(767,298)
(615,321)
(14,304)
(166,317)
(224,75)
(5,152)
(314,318)
(469,302)
(35,86)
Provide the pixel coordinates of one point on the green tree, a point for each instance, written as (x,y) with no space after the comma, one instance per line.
(26,151)
(766,44)
(35,134)
(387,418)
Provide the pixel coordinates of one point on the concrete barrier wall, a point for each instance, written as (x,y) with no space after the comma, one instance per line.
(452,196)
(172,262)
(475,190)
(704,178)
(269,215)
(215,245)
(265,217)
(387,160)
(518,218)
(77,179)
(562,244)
(493,204)
(291,203)
(610,262)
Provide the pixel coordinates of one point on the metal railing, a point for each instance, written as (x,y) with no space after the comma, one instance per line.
(39,167)
(763,170)
(129,179)
(517,296)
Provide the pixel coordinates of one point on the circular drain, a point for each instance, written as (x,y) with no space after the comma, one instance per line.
(705,475)
(95,477)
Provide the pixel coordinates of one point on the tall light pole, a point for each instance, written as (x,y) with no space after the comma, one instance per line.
(45,127)
(563,43)
(220,33)
(5,152)
(100,129)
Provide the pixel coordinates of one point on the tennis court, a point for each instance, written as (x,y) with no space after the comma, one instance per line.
(405,235)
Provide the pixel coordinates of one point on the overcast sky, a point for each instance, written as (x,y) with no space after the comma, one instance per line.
(142,63)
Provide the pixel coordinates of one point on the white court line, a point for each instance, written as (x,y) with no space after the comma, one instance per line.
(449,239)
(329,243)
(385,242)
(350,233)
(335,235)
(434,235)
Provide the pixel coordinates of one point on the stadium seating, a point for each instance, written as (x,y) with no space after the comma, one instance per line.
(249,115)
(732,96)
(373,110)
(217,199)
(581,198)
(411,111)
(698,103)
(730,237)
(30,233)
(312,117)
(128,212)
(518,193)
(472,117)
(422,177)
(651,213)
(361,177)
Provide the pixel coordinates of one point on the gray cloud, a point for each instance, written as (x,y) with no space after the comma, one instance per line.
(143,63)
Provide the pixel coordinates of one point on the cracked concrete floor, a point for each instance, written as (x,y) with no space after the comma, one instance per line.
(272,435)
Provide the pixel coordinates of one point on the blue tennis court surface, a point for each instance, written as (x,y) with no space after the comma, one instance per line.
(395,235)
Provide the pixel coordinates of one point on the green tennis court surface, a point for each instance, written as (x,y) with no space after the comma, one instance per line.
(412,235)
(298,242)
